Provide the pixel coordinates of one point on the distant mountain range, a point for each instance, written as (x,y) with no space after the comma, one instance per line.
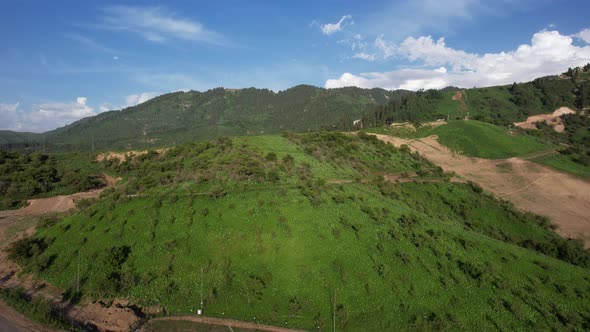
(190,116)
(186,116)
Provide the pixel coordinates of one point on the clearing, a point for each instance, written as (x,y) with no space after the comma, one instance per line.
(530,186)
(552,119)
(60,203)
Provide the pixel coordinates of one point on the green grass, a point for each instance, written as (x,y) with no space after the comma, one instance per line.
(564,164)
(397,256)
(451,109)
(484,140)
(475,139)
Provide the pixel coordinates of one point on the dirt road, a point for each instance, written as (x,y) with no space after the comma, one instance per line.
(530,186)
(61,203)
(224,322)
(13,321)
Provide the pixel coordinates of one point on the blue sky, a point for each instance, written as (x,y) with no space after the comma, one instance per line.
(64,60)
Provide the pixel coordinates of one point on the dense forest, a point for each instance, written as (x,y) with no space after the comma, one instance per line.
(24,176)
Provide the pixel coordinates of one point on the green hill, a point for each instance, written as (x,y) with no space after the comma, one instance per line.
(188,116)
(179,117)
(284,226)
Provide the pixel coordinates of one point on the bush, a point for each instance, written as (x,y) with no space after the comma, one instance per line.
(475,187)
(288,159)
(24,250)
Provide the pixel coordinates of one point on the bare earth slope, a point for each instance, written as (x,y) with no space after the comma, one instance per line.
(530,186)
(61,203)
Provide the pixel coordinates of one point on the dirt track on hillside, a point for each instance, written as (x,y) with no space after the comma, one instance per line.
(94,316)
(61,203)
(530,186)
(227,322)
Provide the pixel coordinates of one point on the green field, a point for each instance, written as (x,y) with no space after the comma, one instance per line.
(484,140)
(277,240)
(564,164)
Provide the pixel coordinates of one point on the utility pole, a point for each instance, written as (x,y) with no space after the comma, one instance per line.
(201,310)
(334,313)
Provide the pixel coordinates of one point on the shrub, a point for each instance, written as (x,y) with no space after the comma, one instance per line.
(288,159)
(475,187)
(24,250)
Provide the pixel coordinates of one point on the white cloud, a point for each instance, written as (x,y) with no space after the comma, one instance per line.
(9,116)
(584,35)
(365,56)
(356,43)
(44,117)
(384,47)
(157,24)
(9,107)
(330,28)
(548,53)
(133,100)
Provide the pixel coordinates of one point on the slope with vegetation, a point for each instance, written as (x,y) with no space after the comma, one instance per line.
(277,239)
(500,105)
(476,139)
(188,116)
(25,176)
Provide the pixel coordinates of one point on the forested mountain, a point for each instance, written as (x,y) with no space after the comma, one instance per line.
(188,116)
(501,105)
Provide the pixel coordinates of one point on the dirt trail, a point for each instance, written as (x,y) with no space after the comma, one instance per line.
(61,203)
(459,96)
(228,322)
(530,186)
(11,320)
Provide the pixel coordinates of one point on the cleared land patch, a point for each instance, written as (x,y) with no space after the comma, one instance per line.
(533,187)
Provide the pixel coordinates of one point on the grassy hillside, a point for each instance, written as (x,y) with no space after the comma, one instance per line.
(480,139)
(281,233)
(475,138)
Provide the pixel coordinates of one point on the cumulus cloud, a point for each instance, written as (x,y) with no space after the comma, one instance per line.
(133,100)
(584,35)
(548,53)
(157,24)
(385,48)
(44,117)
(330,28)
